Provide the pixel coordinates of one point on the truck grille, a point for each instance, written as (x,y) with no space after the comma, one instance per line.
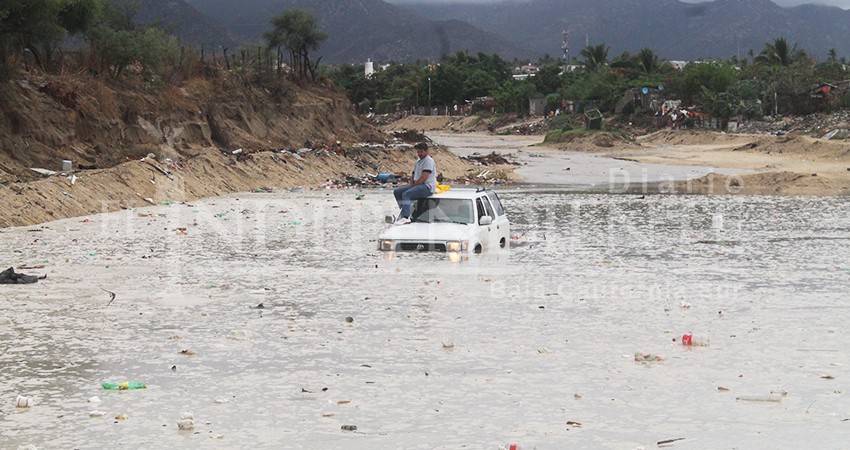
(421,247)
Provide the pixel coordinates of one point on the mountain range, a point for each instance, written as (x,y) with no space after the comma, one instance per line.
(673,29)
(361,29)
(525,30)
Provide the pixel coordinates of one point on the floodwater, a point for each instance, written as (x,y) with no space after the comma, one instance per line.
(275,322)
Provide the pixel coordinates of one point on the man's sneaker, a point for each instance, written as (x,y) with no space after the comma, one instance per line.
(402,221)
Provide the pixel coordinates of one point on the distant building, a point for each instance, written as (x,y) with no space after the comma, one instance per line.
(678,65)
(537,106)
(529,69)
(370,68)
(482,104)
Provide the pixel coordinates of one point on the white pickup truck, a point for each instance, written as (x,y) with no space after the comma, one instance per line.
(460,220)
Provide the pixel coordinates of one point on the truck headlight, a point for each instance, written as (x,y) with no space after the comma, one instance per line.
(386,245)
(457,246)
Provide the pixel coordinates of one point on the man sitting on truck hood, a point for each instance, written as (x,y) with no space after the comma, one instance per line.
(423,183)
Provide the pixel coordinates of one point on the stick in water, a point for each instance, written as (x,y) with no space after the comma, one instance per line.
(111,296)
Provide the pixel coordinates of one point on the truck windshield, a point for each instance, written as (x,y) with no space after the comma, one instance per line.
(453,210)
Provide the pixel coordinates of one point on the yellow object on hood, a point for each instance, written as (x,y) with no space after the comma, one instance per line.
(442,188)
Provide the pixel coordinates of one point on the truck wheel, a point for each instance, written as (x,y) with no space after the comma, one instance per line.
(502,243)
(477,248)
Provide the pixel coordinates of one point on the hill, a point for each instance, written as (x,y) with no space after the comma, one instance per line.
(673,29)
(361,29)
(182,20)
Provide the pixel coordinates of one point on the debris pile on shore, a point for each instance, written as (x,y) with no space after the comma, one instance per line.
(828,126)
(490,159)
(410,136)
(526,129)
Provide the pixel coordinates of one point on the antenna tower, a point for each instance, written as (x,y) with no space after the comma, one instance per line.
(565,46)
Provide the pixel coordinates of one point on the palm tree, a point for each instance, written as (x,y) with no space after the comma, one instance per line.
(648,61)
(833,55)
(625,60)
(779,53)
(595,55)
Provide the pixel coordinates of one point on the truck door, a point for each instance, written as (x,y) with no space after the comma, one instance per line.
(481,210)
(503,226)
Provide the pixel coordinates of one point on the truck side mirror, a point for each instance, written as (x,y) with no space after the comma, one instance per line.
(389,218)
(485,220)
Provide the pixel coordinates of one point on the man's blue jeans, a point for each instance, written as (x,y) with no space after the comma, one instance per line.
(405,194)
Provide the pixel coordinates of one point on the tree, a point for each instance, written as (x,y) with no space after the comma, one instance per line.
(447,85)
(116,44)
(362,88)
(832,55)
(779,53)
(595,56)
(831,69)
(39,25)
(746,95)
(512,96)
(593,86)
(28,25)
(478,83)
(345,74)
(79,16)
(298,31)
(648,61)
(496,66)
(548,79)
(704,79)
(625,61)
(792,84)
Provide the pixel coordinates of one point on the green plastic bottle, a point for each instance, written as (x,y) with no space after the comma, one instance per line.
(124,386)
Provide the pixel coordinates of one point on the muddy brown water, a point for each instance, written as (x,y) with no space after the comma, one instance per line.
(543,333)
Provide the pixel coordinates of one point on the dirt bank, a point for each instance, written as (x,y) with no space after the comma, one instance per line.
(139,183)
(195,131)
(99,123)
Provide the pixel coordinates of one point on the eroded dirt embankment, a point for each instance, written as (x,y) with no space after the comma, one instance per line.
(139,183)
(108,128)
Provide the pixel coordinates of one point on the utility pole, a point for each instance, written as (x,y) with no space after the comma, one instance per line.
(429,96)
(739,49)
(565,46)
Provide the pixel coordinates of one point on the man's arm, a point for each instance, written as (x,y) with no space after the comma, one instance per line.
(422,179)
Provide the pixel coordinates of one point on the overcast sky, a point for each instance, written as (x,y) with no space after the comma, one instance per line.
(840,3)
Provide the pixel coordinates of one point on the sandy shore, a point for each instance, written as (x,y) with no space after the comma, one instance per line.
(667,161)
(575,170)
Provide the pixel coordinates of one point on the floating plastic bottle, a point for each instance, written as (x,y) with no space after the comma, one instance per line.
(124,386)
(694,340)
(24,402)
